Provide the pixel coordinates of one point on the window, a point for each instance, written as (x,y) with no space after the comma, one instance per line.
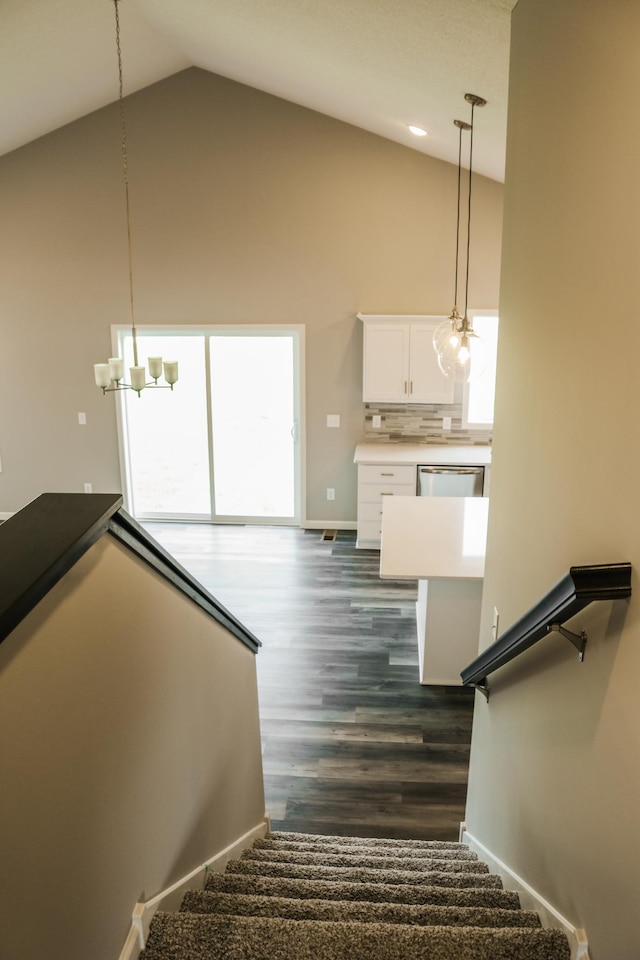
(479,395)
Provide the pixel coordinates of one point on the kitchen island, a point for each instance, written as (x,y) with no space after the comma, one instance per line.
(391,470)
(440,542)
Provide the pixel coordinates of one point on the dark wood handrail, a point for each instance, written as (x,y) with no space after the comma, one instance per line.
(40,544)
(576,590)
(128,531)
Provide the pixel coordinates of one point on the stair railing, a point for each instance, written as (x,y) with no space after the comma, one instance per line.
(576,590)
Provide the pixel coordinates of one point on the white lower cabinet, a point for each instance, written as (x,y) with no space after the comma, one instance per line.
(376,481)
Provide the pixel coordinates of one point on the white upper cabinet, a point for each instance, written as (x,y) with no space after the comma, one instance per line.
(400,364)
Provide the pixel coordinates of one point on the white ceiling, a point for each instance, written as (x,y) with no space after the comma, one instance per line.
(378,64)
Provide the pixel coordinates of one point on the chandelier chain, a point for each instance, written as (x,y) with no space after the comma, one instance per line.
(125,178)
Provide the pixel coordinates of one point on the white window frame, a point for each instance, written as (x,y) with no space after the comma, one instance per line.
(468,424)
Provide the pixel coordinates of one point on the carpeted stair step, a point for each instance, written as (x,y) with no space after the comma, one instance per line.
(313,888)
(318,840)
(248,905)
(188,936)
(457,852)
(302,897)
(469,864)
(442,876)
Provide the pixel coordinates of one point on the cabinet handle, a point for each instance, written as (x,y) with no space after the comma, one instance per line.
(410,386)
(405,386)
(387,474)
(386,493)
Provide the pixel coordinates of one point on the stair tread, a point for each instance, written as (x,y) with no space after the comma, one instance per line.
(286,837)
(364,911)
(458,852)
(439,877)
(186,936)
(380,862)
(304,887)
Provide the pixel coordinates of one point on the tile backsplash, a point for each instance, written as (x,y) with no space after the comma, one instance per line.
(420,423)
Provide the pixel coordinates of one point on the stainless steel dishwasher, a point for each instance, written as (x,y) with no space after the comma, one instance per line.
(448,480)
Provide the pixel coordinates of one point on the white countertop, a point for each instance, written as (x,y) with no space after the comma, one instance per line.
(427,453)
(433,538)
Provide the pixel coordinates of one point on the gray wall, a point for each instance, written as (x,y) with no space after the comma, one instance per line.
(130,748)
(245,209)
(555,775)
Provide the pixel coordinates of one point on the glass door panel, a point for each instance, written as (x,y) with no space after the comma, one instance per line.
(166,433)
(253,422)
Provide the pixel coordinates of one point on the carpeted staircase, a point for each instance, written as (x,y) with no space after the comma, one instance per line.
(294,896)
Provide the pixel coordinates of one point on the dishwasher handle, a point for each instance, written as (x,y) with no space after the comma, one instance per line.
(457,471)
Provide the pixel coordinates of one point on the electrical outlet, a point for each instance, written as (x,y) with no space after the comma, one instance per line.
(376,421)
(82,419)
(88,488)
(331,493)
(333,419)
(446,423)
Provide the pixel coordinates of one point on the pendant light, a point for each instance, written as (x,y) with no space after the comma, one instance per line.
(448,328)
(462,355)
(109,376)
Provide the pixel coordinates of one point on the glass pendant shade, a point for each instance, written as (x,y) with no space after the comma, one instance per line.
(447,331)
(464,357)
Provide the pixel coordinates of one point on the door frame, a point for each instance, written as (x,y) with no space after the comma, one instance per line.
(297,331)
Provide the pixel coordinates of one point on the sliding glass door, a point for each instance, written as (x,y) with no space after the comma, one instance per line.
(223,445)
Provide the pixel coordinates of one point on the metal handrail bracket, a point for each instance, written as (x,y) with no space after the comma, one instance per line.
(576,590)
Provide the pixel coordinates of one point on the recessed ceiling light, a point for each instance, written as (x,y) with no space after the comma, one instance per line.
(417,131)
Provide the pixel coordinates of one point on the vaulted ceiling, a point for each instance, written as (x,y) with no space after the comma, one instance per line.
(377,64)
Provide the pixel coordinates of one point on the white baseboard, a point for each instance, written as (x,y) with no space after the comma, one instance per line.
(330,525)
(529,898)
(171,898)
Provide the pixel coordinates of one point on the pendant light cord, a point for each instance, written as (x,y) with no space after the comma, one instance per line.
(125,177)
(466,287)
(455,293)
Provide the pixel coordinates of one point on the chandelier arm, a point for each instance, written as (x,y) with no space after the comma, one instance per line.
(125,178)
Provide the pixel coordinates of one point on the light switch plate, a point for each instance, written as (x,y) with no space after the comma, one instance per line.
(376,421)
(333,419)
(446,423)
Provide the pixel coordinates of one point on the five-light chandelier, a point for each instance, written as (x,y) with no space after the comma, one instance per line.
(110,376)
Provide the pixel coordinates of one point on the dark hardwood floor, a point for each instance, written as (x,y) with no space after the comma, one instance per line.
(352,744)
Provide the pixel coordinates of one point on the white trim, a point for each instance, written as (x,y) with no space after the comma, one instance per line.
(5,516)
(171,898)
(330,525)
(529,898)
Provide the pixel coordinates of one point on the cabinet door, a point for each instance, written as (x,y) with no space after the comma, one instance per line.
(427,382)
(386,362)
